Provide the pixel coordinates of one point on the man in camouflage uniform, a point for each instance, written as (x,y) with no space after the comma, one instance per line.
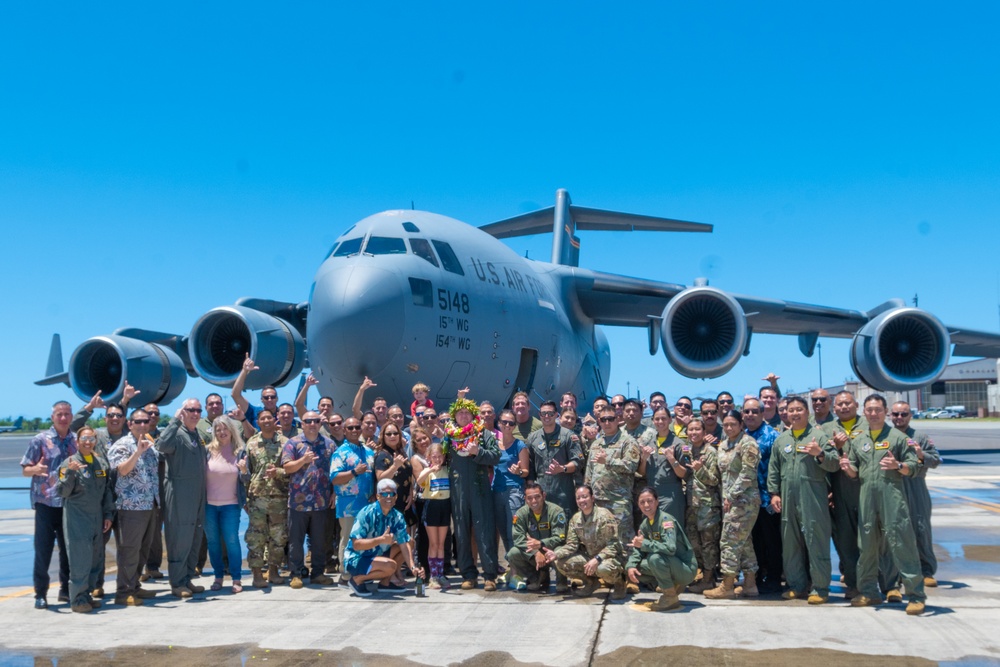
(646,437)
(882,458)
(611,467)
(917,497)
(846,490)
(267,500)
(592,551)
(539,528)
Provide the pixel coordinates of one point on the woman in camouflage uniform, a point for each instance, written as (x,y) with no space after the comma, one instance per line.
(738,459)
(704,509)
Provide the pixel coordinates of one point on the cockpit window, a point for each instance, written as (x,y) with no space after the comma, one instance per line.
(448,258)
(348,247)
(410,227)
(385,245)
(422,249)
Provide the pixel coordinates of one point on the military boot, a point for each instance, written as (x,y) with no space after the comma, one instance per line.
(258,578)
(590,584)
(619,590)
(273,577)
(723,591)
(707,583)
(668,602)
(749,585)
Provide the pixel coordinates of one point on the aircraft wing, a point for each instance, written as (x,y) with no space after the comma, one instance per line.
(624,301)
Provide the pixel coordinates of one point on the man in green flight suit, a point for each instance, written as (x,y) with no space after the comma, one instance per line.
(661,553)
(881,457)
(846,491)
(181,447)
(917,495)
(539,528)
(801,457)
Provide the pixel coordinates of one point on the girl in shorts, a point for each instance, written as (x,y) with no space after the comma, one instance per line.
(434,483)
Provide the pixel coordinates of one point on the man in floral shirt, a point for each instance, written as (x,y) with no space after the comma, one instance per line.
(306,460)
(46,452)
(138,493)
(352,472)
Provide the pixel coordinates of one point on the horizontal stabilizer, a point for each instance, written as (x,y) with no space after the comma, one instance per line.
(589,219)
(54,373)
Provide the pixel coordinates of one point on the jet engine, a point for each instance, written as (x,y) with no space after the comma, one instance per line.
(901,349)
(703,332)
(222,338)
(106,363)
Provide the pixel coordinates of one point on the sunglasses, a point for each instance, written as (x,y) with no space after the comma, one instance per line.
(710,413)
(686,406)
(900,414)
(88,438)
(352,428)
(608,420)
(820,399)
(617,405)
(140,421)
(387,494)
(752,411)
(391,434)
(506,422)
(311,420)
(193,410)
(547,413)
(269,398)
(153,414)
(337,423)
(114,415)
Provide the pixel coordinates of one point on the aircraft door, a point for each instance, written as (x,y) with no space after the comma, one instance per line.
(525,379)
(457,379)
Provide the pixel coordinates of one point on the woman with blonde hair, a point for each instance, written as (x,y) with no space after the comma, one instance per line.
(226,495)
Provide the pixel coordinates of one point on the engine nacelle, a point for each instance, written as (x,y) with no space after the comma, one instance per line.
(901,349)
(221,339)
(703,332)
(106,363)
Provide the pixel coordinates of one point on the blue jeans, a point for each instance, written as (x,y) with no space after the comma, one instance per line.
(506,502)
(222,524)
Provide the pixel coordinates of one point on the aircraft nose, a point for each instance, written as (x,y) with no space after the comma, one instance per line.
(355,323)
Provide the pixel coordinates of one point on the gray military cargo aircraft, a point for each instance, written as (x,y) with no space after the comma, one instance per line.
(408,296)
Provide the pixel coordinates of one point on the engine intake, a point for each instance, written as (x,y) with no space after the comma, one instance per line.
(221,339)
(106,363)
(703,333)
(901,349)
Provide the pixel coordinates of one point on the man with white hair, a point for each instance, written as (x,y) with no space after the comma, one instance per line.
(379,544)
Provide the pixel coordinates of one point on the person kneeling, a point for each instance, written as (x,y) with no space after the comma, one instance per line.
(592,551)
(379,544)
(661,554)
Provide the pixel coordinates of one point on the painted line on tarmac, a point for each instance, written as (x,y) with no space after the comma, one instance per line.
(981,504)
(31,591)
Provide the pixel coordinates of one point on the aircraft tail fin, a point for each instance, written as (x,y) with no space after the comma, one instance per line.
(54,373)
(18,423)
(564,219)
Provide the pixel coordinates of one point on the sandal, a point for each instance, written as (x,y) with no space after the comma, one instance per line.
(237,587)
(217,585)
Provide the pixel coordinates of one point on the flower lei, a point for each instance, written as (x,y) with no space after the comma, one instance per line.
(459,438)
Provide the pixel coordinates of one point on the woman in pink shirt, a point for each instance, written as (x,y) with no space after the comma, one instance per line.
(225,498)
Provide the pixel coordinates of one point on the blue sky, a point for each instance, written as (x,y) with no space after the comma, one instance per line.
(157,161)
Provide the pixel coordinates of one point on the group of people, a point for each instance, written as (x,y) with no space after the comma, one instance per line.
(731,502)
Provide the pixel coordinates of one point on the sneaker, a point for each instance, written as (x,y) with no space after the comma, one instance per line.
(359,589)
(391,588)
(41,603)
(296,583)
(322,580)
(344,577)
(443,583)
(520,585)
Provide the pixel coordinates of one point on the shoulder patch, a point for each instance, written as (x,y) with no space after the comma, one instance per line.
(668,524)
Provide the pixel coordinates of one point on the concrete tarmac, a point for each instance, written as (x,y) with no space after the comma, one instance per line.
(329,626)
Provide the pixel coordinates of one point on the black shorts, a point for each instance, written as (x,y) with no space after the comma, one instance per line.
(437,512)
